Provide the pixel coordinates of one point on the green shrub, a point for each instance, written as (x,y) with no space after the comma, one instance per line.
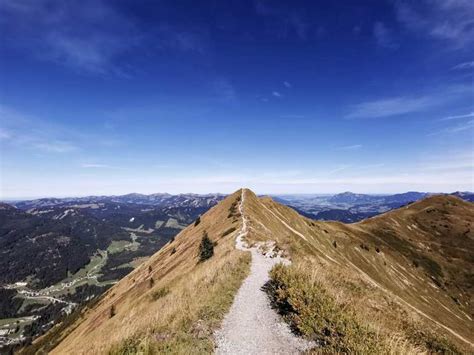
(197,221)
(233,210)
(206,248)
(227,232)
(313,312)
(161,292)
(434,343)
(112,311)
(364,246)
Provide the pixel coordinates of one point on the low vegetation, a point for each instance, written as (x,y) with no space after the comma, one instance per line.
(234,209)
(197,221)
(330,313)
(206,248)
(112,311)
(364,246)
(369,275)
(161,292)
(434,343)
(314,313)
(229,231)
(187,320)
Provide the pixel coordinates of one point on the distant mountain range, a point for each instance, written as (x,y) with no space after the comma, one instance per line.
(349,207)
(159,199)
(359,199)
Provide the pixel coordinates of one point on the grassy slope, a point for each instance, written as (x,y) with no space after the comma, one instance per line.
(397,283)
(383,292)
(179,311)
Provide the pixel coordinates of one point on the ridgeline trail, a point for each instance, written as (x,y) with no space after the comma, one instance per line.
(252,326)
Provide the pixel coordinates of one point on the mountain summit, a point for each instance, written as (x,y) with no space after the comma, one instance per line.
(400,281)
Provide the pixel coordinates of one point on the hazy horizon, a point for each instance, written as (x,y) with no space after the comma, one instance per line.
(224,193)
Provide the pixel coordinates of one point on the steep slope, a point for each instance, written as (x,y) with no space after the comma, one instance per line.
(68,251)
(401,281)
(385,265)
(434,235)
(172,301)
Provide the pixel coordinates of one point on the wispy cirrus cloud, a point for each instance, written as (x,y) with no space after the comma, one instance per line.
(464,123)
(26,131)
(293,116)
(4,134)
(284,21)
(350,147)
(451,21)
(287,84)
(39,142)
(55,146)
(384,37)
(458,128)
(195,40)
(450,161)
(463,66)
(276,94)
(224,90)
(86,35)
(469,125)
(96,166)
(19,130)
(338,169)
(90,36)
(401,105)
(391,107)
(456,117)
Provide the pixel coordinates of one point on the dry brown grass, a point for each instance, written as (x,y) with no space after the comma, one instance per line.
(378,291)
(187,315)
(346,315)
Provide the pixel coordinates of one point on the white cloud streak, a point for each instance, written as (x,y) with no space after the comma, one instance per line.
(350,147)
(96,166)
(450,118)
(391,107)
(50,146)
(401,105)
(463,66)
(446,20)
(23,131)
(88,36)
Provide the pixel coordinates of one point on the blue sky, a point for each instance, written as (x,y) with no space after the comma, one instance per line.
(111,97)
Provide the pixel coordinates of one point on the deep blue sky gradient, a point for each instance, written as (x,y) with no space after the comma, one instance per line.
(109,97)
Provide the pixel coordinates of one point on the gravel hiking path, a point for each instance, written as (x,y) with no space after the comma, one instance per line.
(252,326)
